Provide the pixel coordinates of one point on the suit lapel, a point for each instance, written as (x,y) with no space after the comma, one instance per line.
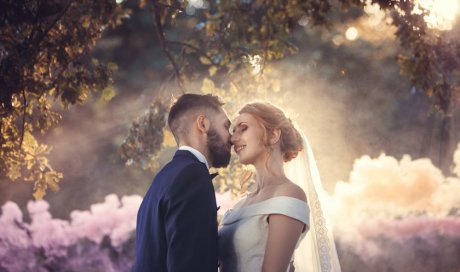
(213,175)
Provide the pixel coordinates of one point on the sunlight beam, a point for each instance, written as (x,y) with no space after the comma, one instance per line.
(442,12)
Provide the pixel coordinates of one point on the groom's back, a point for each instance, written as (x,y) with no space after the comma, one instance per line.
(154,223)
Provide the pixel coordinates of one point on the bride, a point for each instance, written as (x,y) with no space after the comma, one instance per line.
(280,226)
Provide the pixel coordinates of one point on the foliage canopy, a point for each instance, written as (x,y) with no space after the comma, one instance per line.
(234,42)
(44,56)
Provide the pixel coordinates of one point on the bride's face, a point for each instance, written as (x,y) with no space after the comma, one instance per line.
(247,138)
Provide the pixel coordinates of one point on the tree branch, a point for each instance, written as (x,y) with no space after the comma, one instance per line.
(202,53)
(161,36)
(198,50)
(43,34)
(24,106)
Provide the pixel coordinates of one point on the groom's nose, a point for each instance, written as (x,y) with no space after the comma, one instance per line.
(230,143)
(234,138)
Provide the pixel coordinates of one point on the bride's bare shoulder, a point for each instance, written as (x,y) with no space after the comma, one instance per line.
(292,190)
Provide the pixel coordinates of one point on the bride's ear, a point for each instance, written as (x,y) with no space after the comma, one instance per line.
(275,136)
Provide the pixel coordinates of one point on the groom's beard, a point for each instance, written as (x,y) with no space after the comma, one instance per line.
(219,150)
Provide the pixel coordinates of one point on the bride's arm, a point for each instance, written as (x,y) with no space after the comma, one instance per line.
(283,234)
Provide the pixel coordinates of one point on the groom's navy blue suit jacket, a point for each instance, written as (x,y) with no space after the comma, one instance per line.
(177,220)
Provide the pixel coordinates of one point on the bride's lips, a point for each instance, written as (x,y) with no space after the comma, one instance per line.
(239,148)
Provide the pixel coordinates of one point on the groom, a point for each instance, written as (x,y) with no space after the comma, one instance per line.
(177,220)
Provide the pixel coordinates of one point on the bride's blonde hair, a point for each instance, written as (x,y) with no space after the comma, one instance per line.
(271,118)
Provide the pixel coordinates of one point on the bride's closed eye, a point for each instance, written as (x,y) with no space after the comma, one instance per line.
(240,128)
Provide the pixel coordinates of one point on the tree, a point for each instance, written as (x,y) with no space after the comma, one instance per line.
(44,49)
(233,35)
(229,46)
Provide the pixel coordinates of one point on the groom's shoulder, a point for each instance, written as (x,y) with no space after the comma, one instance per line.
(183,158)
(188,164)
(177,174)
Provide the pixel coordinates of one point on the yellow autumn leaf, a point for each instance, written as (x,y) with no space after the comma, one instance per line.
(51,91)
(13,172)
(208,86)
(205,61)
(39,193)
(51,181)
(29,143)
(41,149)
(15,101)
(86,22)
(30,164)
(43,162)
(212,70)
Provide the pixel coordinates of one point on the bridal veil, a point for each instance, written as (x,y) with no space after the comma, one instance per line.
(316,252)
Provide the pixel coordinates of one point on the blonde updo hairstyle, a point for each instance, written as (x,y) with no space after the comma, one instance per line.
(271,118)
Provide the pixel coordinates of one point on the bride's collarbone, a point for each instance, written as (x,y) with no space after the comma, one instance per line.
(262,195)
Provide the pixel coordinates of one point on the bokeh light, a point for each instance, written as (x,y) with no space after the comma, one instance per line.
(351,33)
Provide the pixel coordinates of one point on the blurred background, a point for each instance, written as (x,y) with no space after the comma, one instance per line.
(380,139)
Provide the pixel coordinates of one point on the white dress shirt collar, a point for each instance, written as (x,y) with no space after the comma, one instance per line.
(196,153)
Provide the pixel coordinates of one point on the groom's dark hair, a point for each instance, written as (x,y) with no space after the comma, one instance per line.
(186,106)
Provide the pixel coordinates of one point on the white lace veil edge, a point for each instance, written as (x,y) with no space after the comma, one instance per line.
(317,251)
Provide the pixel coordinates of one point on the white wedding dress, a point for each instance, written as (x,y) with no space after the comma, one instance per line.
(244,232)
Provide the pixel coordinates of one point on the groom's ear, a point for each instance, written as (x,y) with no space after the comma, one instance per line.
(202,123)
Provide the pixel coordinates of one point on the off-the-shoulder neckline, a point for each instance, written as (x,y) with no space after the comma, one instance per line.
(269,199)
